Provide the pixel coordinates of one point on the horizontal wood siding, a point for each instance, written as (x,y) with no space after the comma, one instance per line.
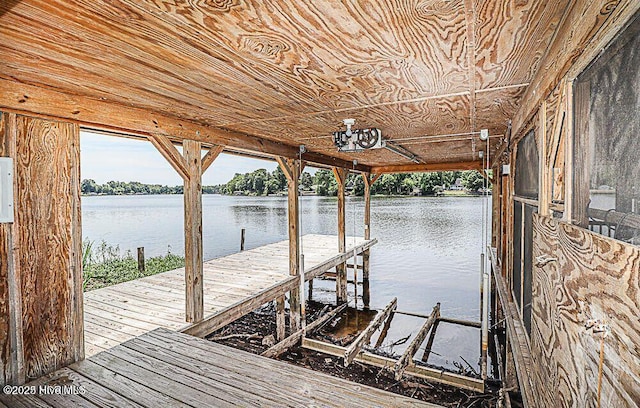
(594,277)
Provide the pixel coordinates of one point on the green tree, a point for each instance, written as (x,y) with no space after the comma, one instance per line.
(280,178)
(306,181)
(89,186)
(260,177)
(325,183)
(472,180)
(431,183)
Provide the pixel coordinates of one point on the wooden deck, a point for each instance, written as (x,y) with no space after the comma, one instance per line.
(121,312)
(168,369)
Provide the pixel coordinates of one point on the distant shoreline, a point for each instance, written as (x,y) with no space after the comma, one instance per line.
(451,193)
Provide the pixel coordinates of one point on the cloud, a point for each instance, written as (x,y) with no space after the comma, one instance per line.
(104,158)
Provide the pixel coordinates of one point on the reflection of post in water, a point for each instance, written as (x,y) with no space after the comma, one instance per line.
(366,295)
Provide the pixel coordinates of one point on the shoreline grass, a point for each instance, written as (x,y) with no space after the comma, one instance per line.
(103,265)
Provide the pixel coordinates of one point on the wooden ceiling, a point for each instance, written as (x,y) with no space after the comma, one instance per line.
(429,73)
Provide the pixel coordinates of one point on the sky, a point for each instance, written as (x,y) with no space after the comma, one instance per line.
(105,158)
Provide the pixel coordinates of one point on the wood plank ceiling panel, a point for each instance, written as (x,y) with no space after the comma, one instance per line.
(290,70)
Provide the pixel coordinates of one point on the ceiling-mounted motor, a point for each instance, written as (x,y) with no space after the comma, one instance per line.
(357,140)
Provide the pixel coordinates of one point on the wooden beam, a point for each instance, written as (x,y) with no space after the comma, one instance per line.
(291,170)
(366,261)
(439,376)
(12,358)
(286,167)
(337,260)
(100,114)
(239,309)
(407,356)
(517,336)
(171,154)
(41,318)
(341,270)
(423,167)
(284,345)
(355,347)
(280,318)
(193,232)
(211,156)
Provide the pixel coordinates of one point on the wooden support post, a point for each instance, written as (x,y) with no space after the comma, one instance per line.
(41,306)
(368,179)
(190,165)
(141,267)
(352,351)
(193,231)
(407,357)
(341,270)
(291,170)
(280,319)
(242,239)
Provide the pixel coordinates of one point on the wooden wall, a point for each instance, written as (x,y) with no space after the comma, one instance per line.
(45,248)
(594,277)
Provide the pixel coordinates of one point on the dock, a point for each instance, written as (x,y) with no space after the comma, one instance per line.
(164,368)
(233,286)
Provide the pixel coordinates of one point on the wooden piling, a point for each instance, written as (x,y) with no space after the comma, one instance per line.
(141,267)
(280,318)
(341,270)
(291,170)
(242,239)
(368,181)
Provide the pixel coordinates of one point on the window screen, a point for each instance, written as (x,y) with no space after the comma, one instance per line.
(526,177)
(607,128)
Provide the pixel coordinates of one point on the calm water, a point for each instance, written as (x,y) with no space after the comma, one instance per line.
(428,250)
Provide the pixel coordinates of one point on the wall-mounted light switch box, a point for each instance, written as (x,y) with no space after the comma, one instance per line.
(506,169)
(6,189)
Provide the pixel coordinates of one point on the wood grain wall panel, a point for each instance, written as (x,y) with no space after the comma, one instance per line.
(494,109)
(49,243)
(507,53)
(594,277)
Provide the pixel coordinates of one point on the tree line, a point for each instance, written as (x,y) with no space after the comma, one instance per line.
(90,187)
(262,182)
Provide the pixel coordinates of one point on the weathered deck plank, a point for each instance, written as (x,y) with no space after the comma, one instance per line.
(120,312)
(170,369)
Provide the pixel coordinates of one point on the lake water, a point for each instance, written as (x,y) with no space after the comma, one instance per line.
(428,248)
